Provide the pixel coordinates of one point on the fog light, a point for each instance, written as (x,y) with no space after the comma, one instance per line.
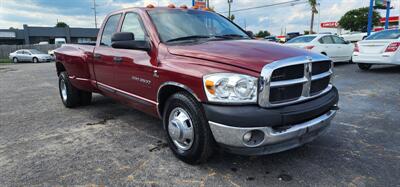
(253,138)
(247,136)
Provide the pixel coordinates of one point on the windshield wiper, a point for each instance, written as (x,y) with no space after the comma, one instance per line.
(230,36)
(188,38)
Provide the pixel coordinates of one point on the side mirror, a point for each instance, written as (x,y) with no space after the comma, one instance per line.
(347,42)
(126,40)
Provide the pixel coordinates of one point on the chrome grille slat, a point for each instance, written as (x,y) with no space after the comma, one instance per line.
(288,82)
(322,75)
(265,84)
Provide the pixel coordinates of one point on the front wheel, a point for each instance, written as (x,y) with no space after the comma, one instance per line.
(15,60)
(35,60)
(364,66)
(187,129)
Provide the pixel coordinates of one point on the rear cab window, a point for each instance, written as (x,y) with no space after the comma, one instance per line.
(110,28)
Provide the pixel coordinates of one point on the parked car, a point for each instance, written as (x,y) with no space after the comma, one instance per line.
(29,55)
(59,41)
(271,39)
(291,35)
(330,45)
(211,84)
(379,48)
(354,36)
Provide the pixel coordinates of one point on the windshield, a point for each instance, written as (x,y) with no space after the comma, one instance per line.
(179,25)
(389,34)
(34,51)
(302,39)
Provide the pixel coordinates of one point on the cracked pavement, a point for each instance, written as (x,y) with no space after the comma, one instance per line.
(44,144)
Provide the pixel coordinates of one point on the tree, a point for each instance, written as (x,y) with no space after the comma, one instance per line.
(308,32)
(61,24)
(263,34)
(313,4)
(357,19)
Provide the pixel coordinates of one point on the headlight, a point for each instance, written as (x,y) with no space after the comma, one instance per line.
(230,88)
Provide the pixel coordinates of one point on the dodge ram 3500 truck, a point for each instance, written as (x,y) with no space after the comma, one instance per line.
(210,83)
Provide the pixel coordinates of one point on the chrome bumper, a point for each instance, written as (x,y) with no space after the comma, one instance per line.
(303,132)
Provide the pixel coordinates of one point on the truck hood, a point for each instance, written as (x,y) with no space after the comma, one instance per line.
(249,54)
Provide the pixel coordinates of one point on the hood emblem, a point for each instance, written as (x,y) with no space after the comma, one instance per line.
(309,58)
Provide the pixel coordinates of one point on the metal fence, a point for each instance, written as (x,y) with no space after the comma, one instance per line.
(5,50)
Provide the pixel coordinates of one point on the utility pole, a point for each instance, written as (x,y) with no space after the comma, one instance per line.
(371,11)
(229,10)
(95,13)
(387,14)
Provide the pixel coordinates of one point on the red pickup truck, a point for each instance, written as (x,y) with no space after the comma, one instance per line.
(210,83)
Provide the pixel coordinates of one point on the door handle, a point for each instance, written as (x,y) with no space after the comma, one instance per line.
(97,56)
(117,59)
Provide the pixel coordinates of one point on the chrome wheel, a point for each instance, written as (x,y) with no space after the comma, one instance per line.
(63,90)
(15,60)
(180,129)
(35,60)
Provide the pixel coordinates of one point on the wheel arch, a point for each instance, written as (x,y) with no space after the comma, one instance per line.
(167,89)
(60,68)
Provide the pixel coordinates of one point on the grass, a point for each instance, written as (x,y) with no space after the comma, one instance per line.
(5,61)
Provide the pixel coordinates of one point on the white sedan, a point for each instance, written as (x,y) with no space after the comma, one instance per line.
(379,48)
(330,45)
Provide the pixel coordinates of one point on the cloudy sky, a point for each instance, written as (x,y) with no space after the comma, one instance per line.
(79,13)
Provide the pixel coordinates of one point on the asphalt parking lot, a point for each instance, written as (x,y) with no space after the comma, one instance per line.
(107,143)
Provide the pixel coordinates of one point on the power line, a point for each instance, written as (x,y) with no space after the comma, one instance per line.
(292,2)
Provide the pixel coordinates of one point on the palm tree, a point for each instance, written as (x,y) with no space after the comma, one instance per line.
(313,4)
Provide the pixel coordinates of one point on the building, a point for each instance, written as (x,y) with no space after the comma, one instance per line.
(35,35)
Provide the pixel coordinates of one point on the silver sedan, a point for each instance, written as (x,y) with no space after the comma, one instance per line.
(30,55)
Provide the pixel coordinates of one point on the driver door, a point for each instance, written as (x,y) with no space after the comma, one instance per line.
(133,70)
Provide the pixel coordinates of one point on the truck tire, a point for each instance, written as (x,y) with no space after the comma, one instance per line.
(364,66)
(70,95)
(188,133)
(85,98)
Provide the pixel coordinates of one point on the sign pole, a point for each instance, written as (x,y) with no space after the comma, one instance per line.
(387,14)
(371,11)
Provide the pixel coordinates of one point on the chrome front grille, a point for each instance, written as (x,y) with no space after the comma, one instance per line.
(294,80)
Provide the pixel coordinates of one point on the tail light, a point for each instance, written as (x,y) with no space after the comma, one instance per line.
(309,47)
(356,48)
(393,47)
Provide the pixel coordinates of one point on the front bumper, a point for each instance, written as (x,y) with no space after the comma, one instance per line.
(231,138)
(277,129)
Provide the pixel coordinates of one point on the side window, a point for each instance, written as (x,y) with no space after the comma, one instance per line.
(326,40)
(338,40)
(109,29)
(132,24)
(19,52)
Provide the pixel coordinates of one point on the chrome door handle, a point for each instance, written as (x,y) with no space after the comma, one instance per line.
(97,56)
(117,59)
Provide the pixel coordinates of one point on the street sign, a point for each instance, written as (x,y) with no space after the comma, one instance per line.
(200,4)
(332,24)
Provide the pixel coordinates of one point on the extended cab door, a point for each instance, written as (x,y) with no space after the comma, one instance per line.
(134,71)
(104,55)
